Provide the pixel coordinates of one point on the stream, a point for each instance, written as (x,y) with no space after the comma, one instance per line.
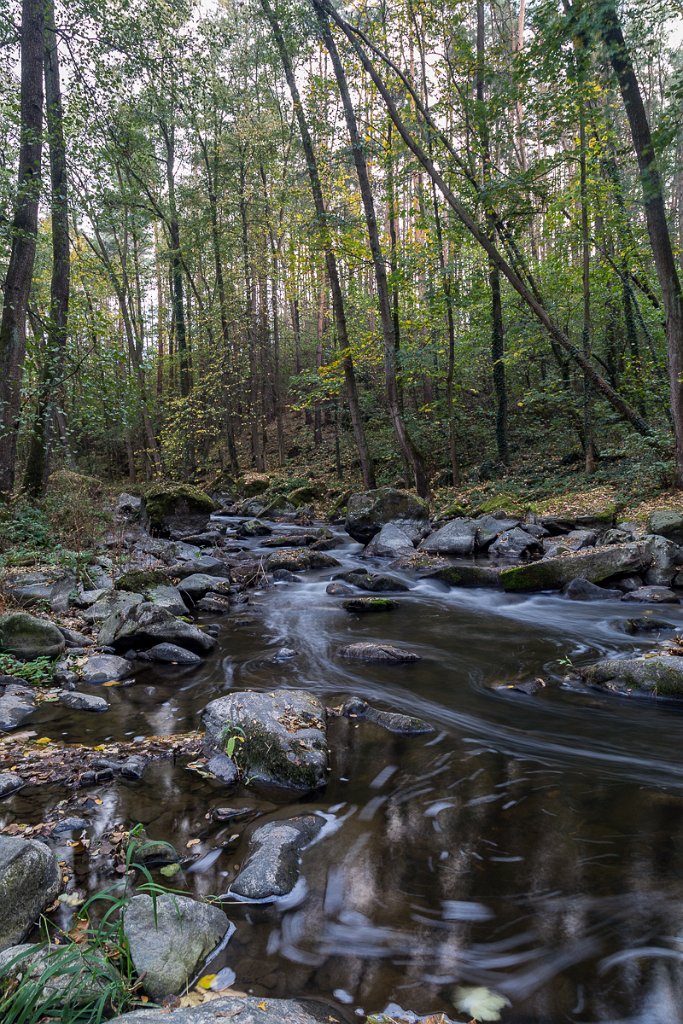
(531,844)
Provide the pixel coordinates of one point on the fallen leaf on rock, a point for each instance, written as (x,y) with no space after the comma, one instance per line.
(205,981)
(192,842)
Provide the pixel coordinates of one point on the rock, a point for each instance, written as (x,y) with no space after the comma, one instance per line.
(75,639)
(177,509)
(392,721)
(129,507)
(366,513)
(375,582)
(194,587)
(28,588)
(377,654)
(628,583)
(285,742)
(575,540)
(582,590)
(338,589)
(667,557)
(30,879)
(656,595)
(488,527)
(147,624)
(291,540)
(272,865)
(245,1009)
(112,602)
(26,637)
(17,702)
(466,575)
(667,523)
(455,538)
(254,483)
(224,768)
(214,604)
(102,668)
(168,597)
(64,977)
(153,851)
(527,687)
(82,701)
(69,825)
(299,560)
(661,675)
(172,654)
(169,937)
(390,542)
(10,783)
(592,564)
(645,625)
(253,528)
(205,565)
(283,655)
(368,605)
(515,545)
(285,576)
(134,766)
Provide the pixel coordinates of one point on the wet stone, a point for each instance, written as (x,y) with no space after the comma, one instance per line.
(173,654)
(653,595)
(338,589)
(370,605)
(10,783)
(223,768)
(271,869)
(377,654)
(83,701)
(583,590)
(392,721)
(17,702)
(105,667)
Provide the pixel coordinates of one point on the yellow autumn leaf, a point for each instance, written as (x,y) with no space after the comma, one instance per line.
(192,842)
(205,981)
(43,741)
(100,746)
(262,1005)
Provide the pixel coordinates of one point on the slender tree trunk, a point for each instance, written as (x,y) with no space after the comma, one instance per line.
(24,232)
(405,443)
(338,309)
(177,286)
(588,436)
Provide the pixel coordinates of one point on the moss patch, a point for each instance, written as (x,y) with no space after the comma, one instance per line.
(163,500)
(137,581)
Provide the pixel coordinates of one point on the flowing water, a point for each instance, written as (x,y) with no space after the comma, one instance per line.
(532,844)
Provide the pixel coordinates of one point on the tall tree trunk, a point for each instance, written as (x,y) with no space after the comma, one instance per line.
(24,232)
(51,397)
(177,286)
(338,309)
(655,212)
(588,438)
(405,443)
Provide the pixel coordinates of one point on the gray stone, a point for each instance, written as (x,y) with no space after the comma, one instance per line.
(661,675)
(224,769)
(654,595)
(148,624)
(111,602)
(272,865)
(377,654)
(214,604)
(369,605)
(61,594)
(10,783)
(129,507)
(646,624)
(338,589)
(515,545)
(253,528)
(391,541)
(299,560)
(367,512)
(204,565)
(374,582)
(592,564)
(134,766)
(198,584)
(667,523)
(667,557)
(575,540)
(82,701)
(29,881)
(102,668)
(173,654)
(75,639)
(17,702)
(283,655)
(26,637)
(168,597)
(455,538)
(169,938)
(245,1010)
(490,526)
(392,721)
(284,732)
(582,590)
(465,575)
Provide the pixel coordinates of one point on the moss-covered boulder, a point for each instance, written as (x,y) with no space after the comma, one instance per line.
(26,637)
(139,581)
(661,675)
(667,523)
(367,512)
(466,575)
(174,509)
(305,495)
(252,484)
(283,733)
(592,564)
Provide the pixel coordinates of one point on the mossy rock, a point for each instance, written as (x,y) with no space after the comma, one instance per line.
(305,495)
(67,481)
(25,637)
(504,503)
(177,505)
(467,575)
(661,675)
(367,605)
(252,484)
(592,564)
(139,581)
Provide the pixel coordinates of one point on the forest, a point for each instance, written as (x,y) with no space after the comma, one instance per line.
(341,511)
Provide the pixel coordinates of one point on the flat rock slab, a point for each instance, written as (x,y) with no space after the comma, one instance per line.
(377,654)
(102,668)
(169,938)
(272,865)
(592,564)
(29,881)
(82,701)
(300,560)
(241,1010)
(392,721)
(26,637)
(652,595)
(284,732)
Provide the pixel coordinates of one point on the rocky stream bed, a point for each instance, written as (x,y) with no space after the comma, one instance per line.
(381,765)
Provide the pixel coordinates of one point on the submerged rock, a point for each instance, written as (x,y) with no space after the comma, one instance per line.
(26,637)
(645,625)
(377,654)
(338,589)
(661,675)
(29,881)
(242,1009)
(592,564)
(392,721)
(169,937)
(272,865)
(367,512)
(284,732)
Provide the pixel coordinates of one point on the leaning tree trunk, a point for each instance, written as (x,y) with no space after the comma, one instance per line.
(405,443)
(24,233)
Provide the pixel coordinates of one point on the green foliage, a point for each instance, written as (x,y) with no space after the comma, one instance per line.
(231,736)
(38,672)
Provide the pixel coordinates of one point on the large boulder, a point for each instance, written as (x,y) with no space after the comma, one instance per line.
(515,545)
(245,1009)
(284,733)
(667,557)
(490,526)
(194,587)
(391,541)
(169,937)
(146,624)
(29,881)
(272,865)
(455,538)
(661,675)
(177,509)
(299,560)
(26,637)
(667,523)
(367,512)
(575,540)
(592,564)
(110,602)
(169,598)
